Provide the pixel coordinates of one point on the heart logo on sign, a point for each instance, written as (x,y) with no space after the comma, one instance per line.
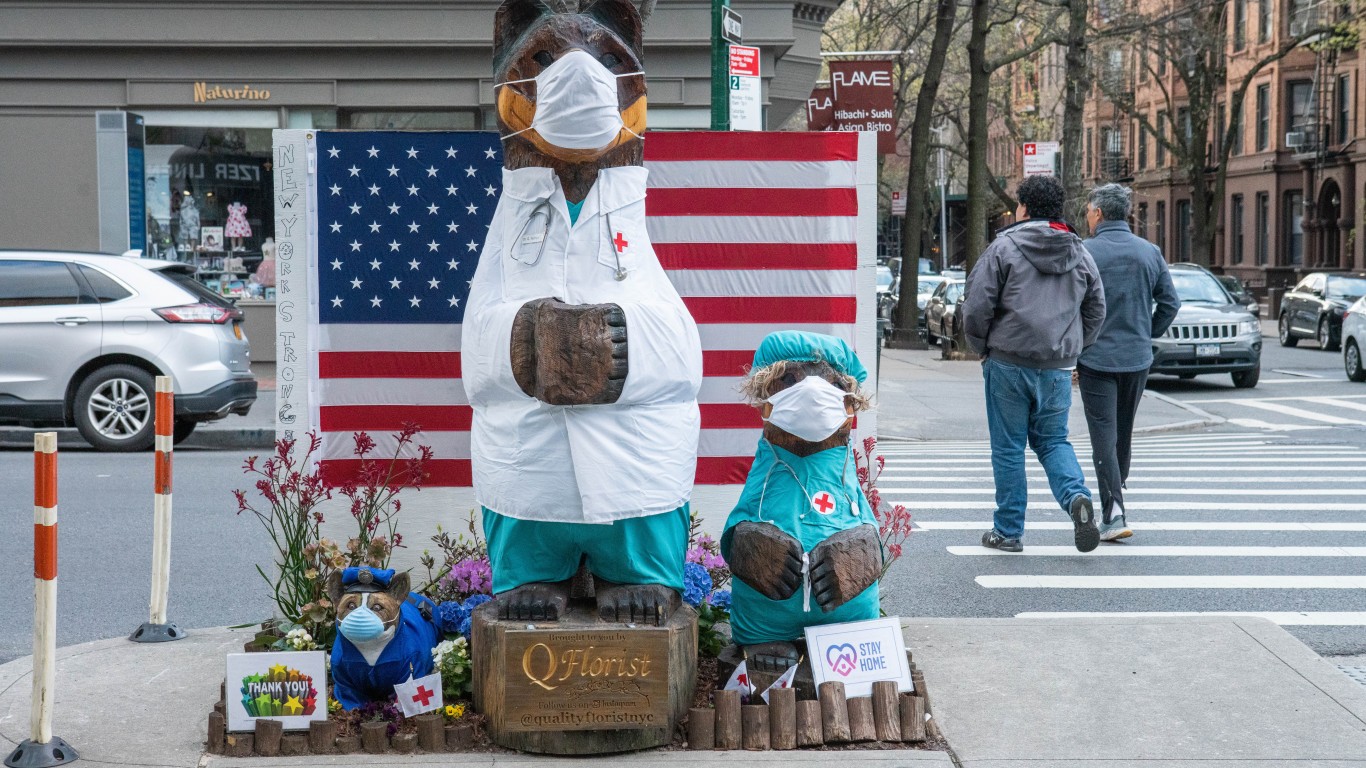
(843,659)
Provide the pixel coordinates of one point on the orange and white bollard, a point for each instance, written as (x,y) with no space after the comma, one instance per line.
(42,748)
(158,629)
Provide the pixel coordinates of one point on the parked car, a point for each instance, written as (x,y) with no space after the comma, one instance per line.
(925,285)
(1314,308)
(1211,332)
(1241,295)
(941,309)
(84,335)
(1353,339)
(886,279)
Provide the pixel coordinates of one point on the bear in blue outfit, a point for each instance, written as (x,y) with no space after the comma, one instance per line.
(802,541)
(384,634)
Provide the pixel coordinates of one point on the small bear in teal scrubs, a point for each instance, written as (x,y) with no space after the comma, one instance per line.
(802,541)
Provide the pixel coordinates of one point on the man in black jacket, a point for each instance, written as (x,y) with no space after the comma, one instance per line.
(1140,303)
(1033,303)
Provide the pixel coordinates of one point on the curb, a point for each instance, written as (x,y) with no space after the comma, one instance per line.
(1202,418)
(251,438)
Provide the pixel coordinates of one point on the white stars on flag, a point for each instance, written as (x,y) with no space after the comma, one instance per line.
(414,264)
(336,226)
(412,153)
(490,190)
(431,172)
(336,301)
(414,302)
(356,282)
(472,245)
(432,209)
(372,151)
(393,246)
(393,170)
(355,208)
(374,264)
(395,283)
(470,171)
(450,152)
(433,246)
(393,208)
(355,245)
(376,301)
(413,190)
(471,209)
(336,264)
(452,190)
(374,226)
(354,170)
(336,190)
(333,152)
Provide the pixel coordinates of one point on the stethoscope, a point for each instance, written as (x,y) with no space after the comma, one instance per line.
(543,208)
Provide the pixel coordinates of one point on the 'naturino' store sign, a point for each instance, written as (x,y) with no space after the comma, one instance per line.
(203,92)
(285,93)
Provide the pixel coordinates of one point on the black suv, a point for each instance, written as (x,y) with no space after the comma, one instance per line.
(1314,309)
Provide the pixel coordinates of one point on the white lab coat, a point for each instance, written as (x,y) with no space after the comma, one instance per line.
(589,463)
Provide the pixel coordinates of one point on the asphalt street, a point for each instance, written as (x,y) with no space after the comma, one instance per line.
(1263,513)
(1280,472)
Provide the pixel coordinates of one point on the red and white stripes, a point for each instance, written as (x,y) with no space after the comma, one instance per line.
(161,503)
(45,583)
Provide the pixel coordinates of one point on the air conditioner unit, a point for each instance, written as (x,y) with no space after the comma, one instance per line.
(1296,139)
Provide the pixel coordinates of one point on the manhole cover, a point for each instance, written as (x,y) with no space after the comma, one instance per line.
(1356,673)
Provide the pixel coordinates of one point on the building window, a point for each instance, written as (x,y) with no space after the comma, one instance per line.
(1293,224)
(454,120)
(1142,220)
(1297,117)
(1263,227)
(1344,108)
(1235,230)
(1141,139)
(1236,129)
(1086,160)
(1239,24)
(1183,230)
(1183,124)
(1264,20)
(1161,240)
(1263,117)
(1220,122)
(1161,148)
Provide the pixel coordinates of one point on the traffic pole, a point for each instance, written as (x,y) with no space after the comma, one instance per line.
(42,749)
(720,70)
(157,629)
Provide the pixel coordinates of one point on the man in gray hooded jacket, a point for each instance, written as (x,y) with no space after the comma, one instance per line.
(1033,303)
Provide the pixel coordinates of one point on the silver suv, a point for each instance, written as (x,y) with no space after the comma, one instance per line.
(1211,333)
(83,336)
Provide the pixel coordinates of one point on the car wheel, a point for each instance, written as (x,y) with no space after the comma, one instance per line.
(183,429)
(1351,360)
(1284,334)
(114,409)
(1247,379)
(1325,336)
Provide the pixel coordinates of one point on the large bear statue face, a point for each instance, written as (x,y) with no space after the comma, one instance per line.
(529,38)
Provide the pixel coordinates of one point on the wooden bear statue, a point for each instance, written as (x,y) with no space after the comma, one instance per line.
(580,360)
(802,541)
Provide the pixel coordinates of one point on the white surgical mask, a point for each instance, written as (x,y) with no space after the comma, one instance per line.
(811,409)
(576,103)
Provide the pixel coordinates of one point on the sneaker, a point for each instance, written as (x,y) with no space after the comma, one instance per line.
(1086,535)
(993,540)
(1115,529)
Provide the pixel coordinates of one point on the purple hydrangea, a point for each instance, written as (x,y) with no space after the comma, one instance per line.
(469,577)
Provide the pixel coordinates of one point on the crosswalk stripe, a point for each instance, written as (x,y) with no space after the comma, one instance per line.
(1159,506)
(1192,581)
(1138,551)
(1183,525)
(1337,402)
(1241,401)
(1283,618)
(889,490)
(1286,410)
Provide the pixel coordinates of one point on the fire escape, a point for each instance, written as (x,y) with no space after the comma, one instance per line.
(1115,165)
(1316,140)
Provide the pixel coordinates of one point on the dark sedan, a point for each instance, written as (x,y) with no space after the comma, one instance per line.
(1314,309)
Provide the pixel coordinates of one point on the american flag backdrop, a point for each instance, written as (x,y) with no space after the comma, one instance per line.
(758,232)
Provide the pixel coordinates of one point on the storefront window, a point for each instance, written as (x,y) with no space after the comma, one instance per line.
(209,200)
(454,120)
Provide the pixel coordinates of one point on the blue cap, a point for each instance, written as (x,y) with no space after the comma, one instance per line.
(366,579)
(806,347)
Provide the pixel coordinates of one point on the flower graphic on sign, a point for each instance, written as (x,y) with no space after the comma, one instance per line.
(279,692)
(843,659)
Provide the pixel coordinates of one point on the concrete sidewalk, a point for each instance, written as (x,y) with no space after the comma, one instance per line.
(1081,693)
(923,397)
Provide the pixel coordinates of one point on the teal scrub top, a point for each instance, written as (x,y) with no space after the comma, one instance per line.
(810,498)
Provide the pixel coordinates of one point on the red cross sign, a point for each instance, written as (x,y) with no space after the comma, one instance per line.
(423,695)
(1030,148)
(620,243)
(823,503)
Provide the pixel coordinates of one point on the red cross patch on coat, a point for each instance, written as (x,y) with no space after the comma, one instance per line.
(823,502)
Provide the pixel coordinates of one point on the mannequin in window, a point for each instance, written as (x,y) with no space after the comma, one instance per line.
(237,226)
(189,221)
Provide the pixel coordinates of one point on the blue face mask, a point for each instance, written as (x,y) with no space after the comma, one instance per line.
(362,625)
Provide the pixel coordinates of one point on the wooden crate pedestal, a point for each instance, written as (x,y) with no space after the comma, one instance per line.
(582,686)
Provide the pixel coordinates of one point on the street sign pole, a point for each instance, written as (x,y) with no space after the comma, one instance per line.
(720,72)
(943,180)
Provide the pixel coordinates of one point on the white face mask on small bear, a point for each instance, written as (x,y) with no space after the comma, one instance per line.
(576,103)
(812,409)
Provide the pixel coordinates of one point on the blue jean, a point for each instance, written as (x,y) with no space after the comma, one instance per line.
(1029,404)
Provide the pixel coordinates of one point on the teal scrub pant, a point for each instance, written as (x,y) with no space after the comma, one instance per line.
(639,550)
(755,619)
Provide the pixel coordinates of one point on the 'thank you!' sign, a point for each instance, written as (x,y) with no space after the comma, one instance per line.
(858,654)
